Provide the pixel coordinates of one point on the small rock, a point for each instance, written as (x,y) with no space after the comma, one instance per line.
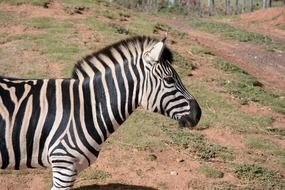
(173,173)
(152,157)
(180,160)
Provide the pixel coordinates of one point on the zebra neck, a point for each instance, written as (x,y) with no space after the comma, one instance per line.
(108,101)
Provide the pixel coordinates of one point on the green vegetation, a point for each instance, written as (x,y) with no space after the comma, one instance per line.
(247,88)
(59,47)
(50,25)
(197,144)
(92,174)
(224,185)
(267,147)
(185,64)
(211,172)
(119,29)
(9,18)
(32,2)
(166,28)
(218,111)
(259,175)
(142,130)
(139,25)
(200,50)
(277,131)
(236,33)
(176,8)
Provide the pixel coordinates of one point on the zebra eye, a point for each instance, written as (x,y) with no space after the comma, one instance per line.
(169,80)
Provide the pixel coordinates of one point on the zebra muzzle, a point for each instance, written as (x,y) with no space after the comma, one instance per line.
(192,119)
(186,121)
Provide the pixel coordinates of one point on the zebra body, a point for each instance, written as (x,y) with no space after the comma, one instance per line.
(62,123)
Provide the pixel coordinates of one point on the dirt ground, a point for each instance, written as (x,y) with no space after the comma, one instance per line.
(133,168)
(268,67)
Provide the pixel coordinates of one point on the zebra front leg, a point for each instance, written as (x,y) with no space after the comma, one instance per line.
(64,174)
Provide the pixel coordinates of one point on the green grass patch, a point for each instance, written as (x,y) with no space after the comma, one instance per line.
(184,64)
(225,185)
(197,144)
(218,111)
(247,92)
(247,88)
(143,129)
(32,2)
(176,8)
(140,25)
(201,50)
(60,48)
(104,29)
(119,29)
(262,177)
(211,172)
(10,18)
(85,2)
(53,26)
(236,33)
(162,27)
(92,174)
(277,131)
(266,146)
(166,28)
(22,172)
(226,66)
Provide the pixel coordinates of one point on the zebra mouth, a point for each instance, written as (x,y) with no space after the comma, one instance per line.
(186,121)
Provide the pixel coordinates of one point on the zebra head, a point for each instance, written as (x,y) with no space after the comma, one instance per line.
(164,91)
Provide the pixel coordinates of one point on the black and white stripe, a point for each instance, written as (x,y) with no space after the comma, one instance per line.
(62,123)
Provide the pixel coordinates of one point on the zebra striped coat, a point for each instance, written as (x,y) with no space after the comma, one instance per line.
(62,123)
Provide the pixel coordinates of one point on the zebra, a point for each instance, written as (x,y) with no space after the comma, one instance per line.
(62,123)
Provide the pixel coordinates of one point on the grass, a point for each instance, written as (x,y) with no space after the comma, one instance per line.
(92,174)
(197,144)
(183,63)
(260,176)
(21,172)
(227,115)
(32,2)
(277,131)
(200,50)
(119,29)
(50,25)
(211,172)
(236,33)
(142,129)
(225,185)
(267,147)
(9,18)
(59,47)
(247,88)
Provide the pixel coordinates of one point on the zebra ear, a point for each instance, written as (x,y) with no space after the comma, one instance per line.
(156,52)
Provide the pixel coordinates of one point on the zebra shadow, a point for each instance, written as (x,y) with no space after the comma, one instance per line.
(114,186)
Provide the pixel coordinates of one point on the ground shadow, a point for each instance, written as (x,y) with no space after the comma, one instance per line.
(114,186)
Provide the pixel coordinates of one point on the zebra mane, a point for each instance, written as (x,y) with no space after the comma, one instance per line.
(142,41)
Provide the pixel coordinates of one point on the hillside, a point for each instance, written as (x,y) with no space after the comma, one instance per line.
(236,72)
